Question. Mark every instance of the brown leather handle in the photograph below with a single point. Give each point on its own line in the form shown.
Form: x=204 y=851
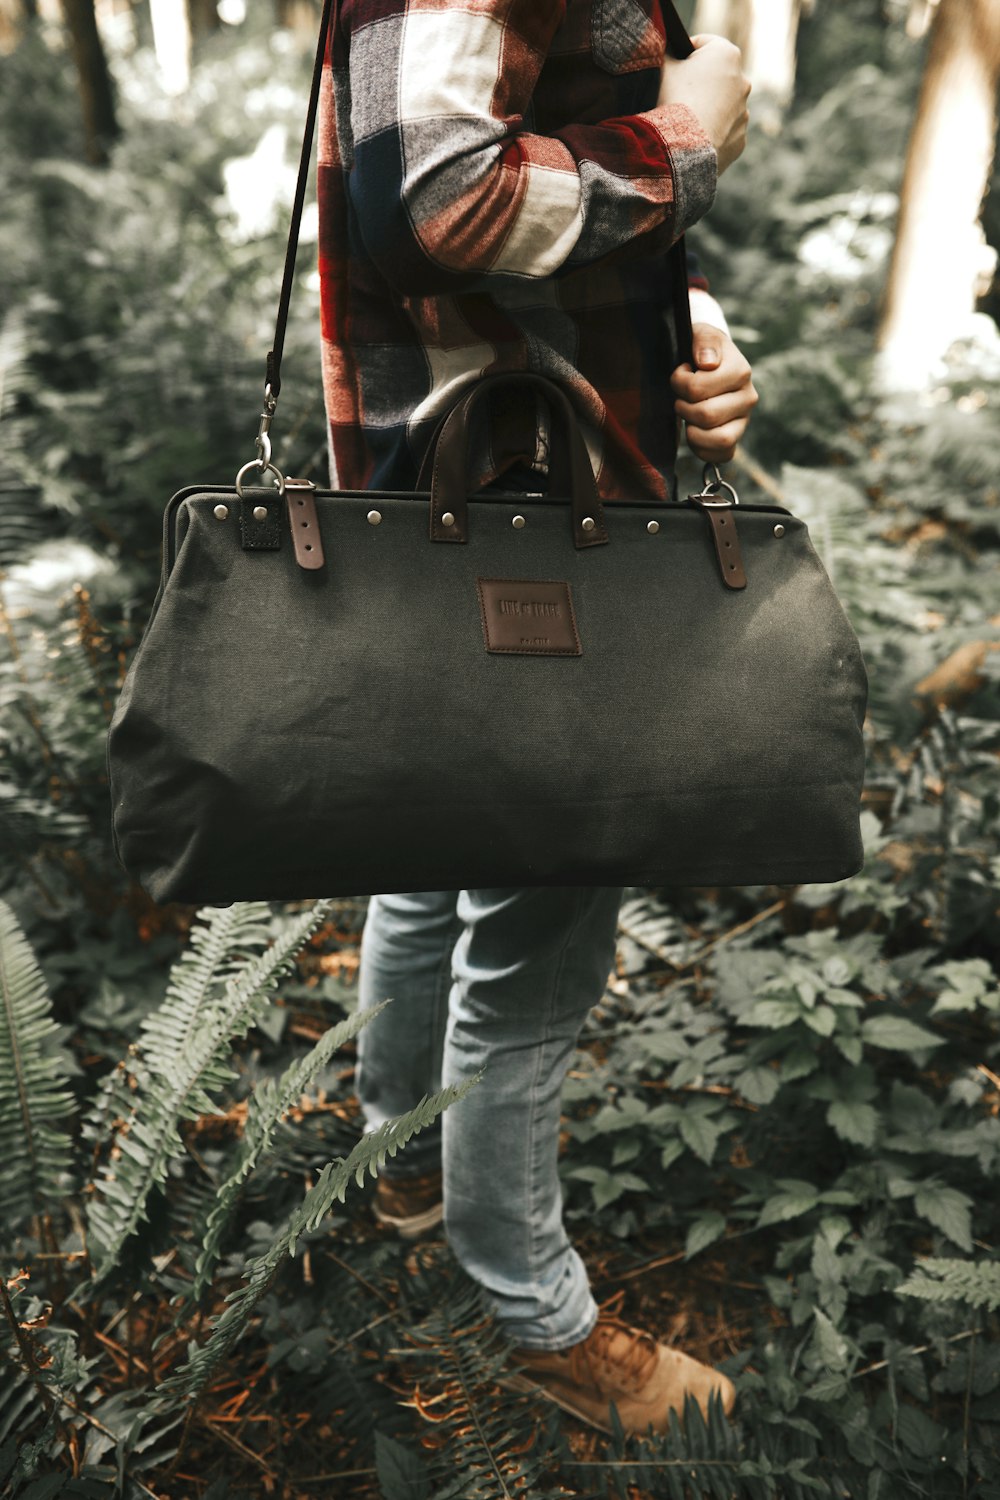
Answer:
x=448 y=462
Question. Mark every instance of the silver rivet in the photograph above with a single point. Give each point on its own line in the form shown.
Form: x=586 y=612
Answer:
x=588 y=523
x=447 y=519
x=260 y=512
x=779 y=530
x=221 y=512
x=652 y=527
x=518 y=521
x=374 y=517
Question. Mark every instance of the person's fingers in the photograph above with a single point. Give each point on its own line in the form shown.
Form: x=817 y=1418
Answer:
x=717 y=444
x=732 y=372
x=717 y=410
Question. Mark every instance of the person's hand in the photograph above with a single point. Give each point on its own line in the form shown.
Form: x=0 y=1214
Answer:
x=712 y=83
x=715 y=399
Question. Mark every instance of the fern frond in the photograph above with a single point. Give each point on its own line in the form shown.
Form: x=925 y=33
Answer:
x=486 y=1443
x=19 y=1399
x=198 y=1069
x=218 y=945
x=368 y=1156
x=19 y=507
x=940 y=1279
x=268 y=1106
x=35 y=1155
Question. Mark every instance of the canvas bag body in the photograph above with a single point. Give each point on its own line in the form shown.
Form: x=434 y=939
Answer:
x=286 y=734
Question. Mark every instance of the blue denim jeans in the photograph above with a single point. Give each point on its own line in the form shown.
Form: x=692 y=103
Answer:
x=500 y=980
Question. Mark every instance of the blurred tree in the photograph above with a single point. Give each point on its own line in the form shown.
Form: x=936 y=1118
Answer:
x=765 y=31
x=941 y=262
x=172 y=43
x=13 y=15
x=298 y=15
x=203 y=18
x=100 y=123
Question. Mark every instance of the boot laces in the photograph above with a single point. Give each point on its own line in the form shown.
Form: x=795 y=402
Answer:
x=629 y=1351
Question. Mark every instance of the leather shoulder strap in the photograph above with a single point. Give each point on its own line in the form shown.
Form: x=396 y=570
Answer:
x=273 y=378
x=680 y=45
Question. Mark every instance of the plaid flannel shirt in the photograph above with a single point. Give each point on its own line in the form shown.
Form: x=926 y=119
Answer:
x=497 y=191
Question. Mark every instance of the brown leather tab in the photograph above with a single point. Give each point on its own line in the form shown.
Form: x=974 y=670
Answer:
x=727 y=544
x=528 y=617
x=304 y=523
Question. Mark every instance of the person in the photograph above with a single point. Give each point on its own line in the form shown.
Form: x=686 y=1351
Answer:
x=499 y=183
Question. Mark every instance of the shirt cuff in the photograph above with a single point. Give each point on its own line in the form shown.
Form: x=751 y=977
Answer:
x=693 y=162
x=705 y=309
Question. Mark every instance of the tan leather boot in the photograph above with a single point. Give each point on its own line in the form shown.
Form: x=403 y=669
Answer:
x=615 y=1362
x=412 y=1206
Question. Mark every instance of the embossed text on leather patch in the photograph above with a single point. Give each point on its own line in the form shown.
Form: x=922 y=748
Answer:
x=528 y=617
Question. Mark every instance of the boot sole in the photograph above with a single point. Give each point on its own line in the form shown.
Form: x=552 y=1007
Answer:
x=413 y=1225
x=521 y=1383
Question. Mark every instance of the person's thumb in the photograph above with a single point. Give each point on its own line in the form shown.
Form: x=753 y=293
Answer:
x=706 y=350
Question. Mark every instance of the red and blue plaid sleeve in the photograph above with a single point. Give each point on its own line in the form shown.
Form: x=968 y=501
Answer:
x=449 y=182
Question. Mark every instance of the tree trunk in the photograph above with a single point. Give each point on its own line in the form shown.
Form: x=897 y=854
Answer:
x=203 y=18
x=100 y=124
x=766 y=33
x=940 y=257
x=298 y=15
x=172 y=43
x=729 y=18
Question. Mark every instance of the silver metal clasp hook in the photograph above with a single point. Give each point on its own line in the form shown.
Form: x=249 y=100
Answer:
x=262 y=445
x=712 y=485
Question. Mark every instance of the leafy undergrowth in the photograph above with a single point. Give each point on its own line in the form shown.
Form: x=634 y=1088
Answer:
x=781 y=1149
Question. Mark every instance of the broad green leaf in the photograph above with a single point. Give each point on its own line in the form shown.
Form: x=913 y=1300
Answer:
x=787 y=1206
x=401 y=1471
x=948 y=1210
x=917 y=1432
x=626 y=1149
x=849 y=1047
x=671 y=1151
x=836 y=971
x=966 y=985
x=798 y=1062
x=757 y=1084
x=830 y=1344
x=774 y=1013
x=704 y=1232
x=854 y=1122
x=897 y=1034
x=822 y=1020
x=701 y=1134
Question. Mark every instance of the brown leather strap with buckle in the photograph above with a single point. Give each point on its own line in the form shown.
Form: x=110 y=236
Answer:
x=722 y=519
x=303 y=523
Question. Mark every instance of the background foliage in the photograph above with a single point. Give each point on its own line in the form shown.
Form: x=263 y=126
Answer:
x=782 y=1135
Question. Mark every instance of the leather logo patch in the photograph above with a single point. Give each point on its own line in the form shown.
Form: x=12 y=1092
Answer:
x=528 y=617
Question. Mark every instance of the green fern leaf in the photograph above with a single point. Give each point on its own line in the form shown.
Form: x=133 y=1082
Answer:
x=939 y=1279
x=485 y=1442
x=269 y=1104
x=217 y=945
x=35 y=1155
x=186 y=1082
x=217 y=948
x=367 y=1157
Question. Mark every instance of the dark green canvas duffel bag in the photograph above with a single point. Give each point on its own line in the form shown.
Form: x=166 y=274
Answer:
x=656 y=693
